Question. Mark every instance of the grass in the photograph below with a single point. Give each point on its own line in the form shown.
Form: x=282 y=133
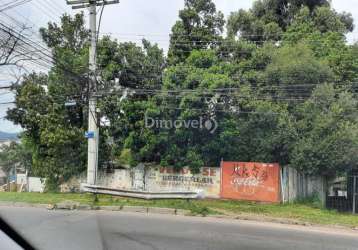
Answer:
x=304 y=212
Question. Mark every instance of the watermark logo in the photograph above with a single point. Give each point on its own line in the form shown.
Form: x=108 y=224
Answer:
x=209 y=124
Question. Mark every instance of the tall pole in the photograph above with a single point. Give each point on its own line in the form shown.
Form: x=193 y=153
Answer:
x=93 y=129
x=92 y=158
x=354 y=193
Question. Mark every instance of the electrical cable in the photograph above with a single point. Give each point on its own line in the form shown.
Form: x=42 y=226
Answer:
x=13 y=4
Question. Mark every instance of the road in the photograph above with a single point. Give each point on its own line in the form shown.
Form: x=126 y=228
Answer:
x=92 y=230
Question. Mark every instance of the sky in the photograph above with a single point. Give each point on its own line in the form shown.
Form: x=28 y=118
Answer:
x=130 y=20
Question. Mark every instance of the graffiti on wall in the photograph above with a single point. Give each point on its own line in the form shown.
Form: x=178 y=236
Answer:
x=167 y=178
x=250 y=181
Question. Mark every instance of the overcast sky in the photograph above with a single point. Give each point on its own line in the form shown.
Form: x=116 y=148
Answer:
x=131 y=20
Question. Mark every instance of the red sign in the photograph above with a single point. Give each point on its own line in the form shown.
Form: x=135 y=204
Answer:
x=250 y=181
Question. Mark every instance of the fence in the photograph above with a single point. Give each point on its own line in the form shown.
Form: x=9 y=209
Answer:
x=24 y=183
x=343 y=196
x=297 y=186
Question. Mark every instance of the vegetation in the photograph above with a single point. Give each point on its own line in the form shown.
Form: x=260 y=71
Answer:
x=281 y=86
x=304 y=212
x=15 y=155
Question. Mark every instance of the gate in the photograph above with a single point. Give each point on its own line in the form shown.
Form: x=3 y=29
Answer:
x=348 y=202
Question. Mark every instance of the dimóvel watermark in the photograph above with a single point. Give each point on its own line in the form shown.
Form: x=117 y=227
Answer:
x=209 y=124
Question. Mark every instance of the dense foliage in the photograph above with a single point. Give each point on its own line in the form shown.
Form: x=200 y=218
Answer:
x=15 y=155
x=280 y=86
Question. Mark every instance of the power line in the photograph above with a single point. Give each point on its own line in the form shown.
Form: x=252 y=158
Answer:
x=38 y=48
x=22 y=25
x=53 y=6
x=7 y=103
x=191 y=35
x=188 y=41
x=21 y=37
x=5 y=87
x=47 y=11
x=13 y=4
x=5 y=93
x=54 y=2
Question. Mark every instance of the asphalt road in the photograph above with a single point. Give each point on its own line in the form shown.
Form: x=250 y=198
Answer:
x=93 y=230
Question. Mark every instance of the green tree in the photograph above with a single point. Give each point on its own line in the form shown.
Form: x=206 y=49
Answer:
x=294 y=72
x=15 y=155
x=200 y=27
x=268 y=19
x=53 y=131
x=262 y=131
x=288 y=50
x=127 y=71
x=56 y=145
x=328 y=133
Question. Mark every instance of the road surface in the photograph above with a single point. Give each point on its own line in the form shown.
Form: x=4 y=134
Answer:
x=92 y=230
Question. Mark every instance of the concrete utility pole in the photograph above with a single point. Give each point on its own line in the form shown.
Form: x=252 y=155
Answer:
x=93 y=129
x=354 y=193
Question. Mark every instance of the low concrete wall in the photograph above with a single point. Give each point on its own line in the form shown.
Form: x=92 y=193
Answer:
x=120 y=178
x=293 y=185
x=154 y=179
x=73 y=184
x=166 y=179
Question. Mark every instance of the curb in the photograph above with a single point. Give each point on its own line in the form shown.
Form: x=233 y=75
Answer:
x=135 y=209
x=23 y=204
x=71 y=206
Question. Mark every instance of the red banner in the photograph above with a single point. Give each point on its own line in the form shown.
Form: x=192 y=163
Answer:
x=250 y=181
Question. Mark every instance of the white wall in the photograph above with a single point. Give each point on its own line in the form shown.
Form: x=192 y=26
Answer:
x=36 y=184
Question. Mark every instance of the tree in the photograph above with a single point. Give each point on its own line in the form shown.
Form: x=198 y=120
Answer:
x=294 y=72
x=69 y=45
x=56 y=130
x=266 y=132
x=135 y=69
x=268 y=19
x=328 y=133
x=56 y=146
x=55 y=133
x=329 y=47
x=251 y=87
x=270 y=78
x=15 y=155
x=261 y=132
x=200 y=27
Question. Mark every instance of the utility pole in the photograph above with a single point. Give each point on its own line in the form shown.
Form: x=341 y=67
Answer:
x=93 y=129
x=354 y=193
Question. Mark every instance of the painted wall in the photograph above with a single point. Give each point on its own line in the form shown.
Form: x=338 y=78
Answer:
x=250 y=181
x=235 y=180
x=166 y=179
x=155 y=179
